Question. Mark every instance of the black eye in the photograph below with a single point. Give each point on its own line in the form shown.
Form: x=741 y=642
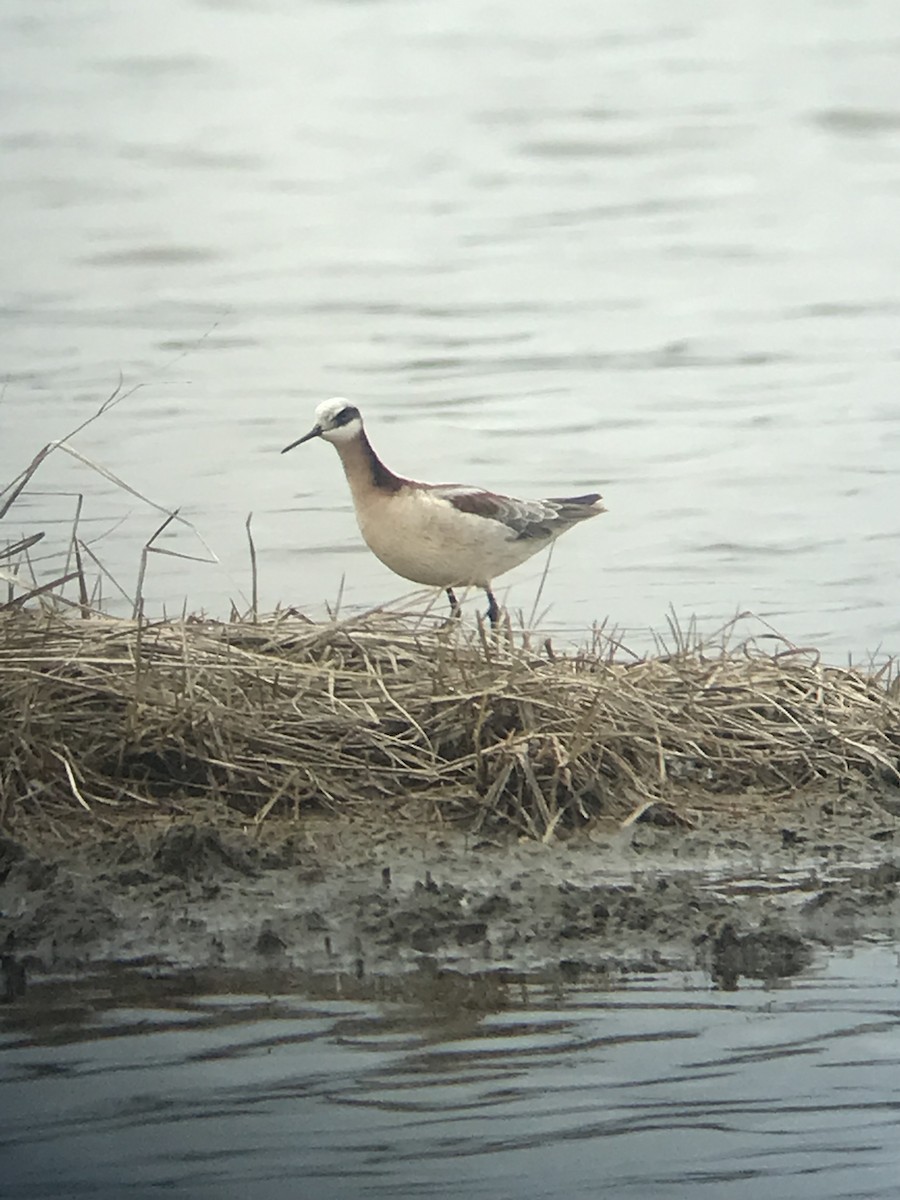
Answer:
x=346 y=415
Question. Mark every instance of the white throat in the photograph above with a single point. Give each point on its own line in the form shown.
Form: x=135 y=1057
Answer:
x=341 y=434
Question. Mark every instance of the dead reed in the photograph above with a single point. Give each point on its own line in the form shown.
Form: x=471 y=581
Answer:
x=117 y=717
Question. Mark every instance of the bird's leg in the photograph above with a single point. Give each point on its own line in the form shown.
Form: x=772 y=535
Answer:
x=493 y=611
x=455 y=610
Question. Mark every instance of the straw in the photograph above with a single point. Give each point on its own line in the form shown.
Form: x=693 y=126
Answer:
x=393 y=710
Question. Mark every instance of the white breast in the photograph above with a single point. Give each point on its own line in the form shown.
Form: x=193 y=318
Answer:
x=427 y=540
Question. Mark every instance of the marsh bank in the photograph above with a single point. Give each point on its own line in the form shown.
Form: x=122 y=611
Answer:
x=385 y=795
x=737 y=896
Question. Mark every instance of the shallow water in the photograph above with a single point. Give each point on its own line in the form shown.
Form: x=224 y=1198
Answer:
x=623 y=247
x=662 y=1088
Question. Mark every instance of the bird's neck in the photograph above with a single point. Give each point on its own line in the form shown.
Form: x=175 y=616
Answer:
x=365 y=471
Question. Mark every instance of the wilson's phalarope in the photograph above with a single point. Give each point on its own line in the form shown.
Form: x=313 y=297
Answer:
x=440 y=534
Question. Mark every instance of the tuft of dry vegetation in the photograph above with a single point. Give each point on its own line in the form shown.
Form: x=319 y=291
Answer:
x=397 y=710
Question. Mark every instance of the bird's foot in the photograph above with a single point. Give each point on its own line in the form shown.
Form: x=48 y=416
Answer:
x=493 y=611
x=455 y=606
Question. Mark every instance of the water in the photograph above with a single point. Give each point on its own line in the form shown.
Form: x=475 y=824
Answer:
x=626 y=247
x=122 y=1087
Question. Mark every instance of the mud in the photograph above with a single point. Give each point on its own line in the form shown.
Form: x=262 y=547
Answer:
x=746 y=892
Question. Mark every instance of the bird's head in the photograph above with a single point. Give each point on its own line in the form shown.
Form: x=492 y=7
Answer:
x=337 y=420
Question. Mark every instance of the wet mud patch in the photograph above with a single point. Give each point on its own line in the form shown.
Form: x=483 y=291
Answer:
x=188 y=851
x=754 y=895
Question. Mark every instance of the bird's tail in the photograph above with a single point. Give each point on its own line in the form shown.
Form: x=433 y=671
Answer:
x=578 y=508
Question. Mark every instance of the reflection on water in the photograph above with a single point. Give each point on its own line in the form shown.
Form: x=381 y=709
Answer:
x=661 y=1089
x=609 y=247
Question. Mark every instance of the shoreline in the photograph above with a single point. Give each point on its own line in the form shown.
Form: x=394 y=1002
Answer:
x=735 y=896
x=378 y=795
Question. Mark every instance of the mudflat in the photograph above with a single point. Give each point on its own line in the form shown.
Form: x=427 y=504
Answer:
x=749 y=893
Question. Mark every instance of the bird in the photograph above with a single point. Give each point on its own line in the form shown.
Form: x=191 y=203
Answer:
x=445 y=535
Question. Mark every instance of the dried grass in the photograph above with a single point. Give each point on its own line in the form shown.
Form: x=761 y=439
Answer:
x=389 y=708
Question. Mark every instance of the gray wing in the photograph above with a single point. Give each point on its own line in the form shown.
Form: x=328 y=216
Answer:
x=524 y=518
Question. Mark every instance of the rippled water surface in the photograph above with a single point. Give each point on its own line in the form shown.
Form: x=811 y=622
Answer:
x=123 y=1087
x=648 y=248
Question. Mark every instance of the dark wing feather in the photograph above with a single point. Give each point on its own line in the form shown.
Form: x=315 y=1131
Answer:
x=524 y=518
